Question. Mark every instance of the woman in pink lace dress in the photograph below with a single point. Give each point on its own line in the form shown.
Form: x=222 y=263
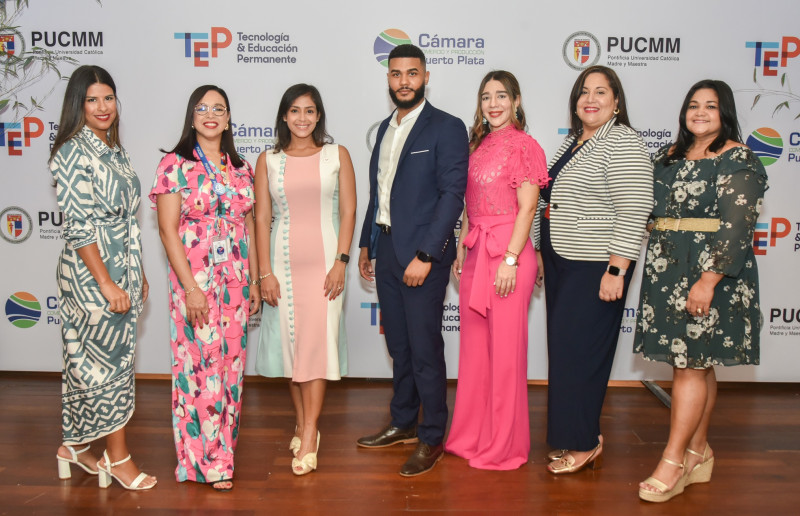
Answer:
x=496 y=267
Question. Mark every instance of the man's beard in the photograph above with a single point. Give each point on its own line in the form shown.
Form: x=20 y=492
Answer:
x=419 y=94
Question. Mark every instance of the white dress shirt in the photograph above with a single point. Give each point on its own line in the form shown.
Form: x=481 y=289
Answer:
x=391 y=146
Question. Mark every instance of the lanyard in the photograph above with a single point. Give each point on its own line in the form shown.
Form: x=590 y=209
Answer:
x=218 y=185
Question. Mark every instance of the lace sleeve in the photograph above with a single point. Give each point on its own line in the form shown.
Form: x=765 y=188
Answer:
x=527 y=163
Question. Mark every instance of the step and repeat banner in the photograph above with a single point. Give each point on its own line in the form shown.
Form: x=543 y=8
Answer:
x=158 y=52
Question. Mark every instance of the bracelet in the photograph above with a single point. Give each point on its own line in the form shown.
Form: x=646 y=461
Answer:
x=265 y=276
x=255 y=282
x=511 y=252
x=187 y=292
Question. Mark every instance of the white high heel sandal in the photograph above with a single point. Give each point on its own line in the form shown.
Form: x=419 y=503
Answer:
x=63 y=463
x=106 y=475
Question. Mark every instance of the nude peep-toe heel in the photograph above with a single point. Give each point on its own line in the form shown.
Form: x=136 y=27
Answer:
x=307 y=464
x=295 y=443
x=567 y=464
x=63 y=463
x=106 y=475
x=663 y=494
x=701 y=472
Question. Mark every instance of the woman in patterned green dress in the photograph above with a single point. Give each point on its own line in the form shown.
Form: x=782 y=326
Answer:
x=101 y=283
x=699 y=304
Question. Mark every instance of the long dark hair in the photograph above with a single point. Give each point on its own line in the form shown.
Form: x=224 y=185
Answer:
x=320 y=134
x=188 y=139
x=480 y=130
x=72 y=116
x=576 y=126
x=727 y=116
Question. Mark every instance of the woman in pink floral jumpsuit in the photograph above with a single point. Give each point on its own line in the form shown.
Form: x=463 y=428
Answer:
x=203 y=192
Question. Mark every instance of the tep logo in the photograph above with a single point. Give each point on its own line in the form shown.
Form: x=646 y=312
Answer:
x=385 y=43
x=23 y=309
x=16 y=135
x=16 y=225
x=581 y=50
x=199 y=47
x=767 y=144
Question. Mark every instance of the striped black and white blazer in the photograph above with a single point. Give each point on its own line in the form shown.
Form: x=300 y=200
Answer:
x=602 y=197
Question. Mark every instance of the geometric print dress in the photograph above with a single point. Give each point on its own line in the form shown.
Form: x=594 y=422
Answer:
x=729 y=187
x=99 y=194
x=208 y=363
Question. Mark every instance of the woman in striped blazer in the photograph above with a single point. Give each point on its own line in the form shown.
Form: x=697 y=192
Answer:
x=590 y=227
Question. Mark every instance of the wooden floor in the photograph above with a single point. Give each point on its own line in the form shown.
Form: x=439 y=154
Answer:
x=755 y=434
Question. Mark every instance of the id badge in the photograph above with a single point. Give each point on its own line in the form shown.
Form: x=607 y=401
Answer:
x=220 y=248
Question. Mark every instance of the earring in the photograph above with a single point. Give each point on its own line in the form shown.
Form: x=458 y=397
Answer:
x=192 y=126
x=616 y=111
x=518 y=114
x=227 y=126
x=485 y=122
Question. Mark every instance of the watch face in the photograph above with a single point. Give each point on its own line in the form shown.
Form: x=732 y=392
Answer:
x=510 y=260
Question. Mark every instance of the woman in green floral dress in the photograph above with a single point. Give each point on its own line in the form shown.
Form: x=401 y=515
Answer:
x=699 y=304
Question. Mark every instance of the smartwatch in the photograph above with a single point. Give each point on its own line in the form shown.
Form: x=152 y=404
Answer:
x=342 y=257
x=424 y=257
x=616 y=271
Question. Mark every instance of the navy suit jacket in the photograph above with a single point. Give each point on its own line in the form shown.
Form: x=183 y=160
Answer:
x=428 y=190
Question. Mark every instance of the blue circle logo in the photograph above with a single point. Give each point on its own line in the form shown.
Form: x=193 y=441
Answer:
x=385 y=43
x=767 y=144
x=23 y=309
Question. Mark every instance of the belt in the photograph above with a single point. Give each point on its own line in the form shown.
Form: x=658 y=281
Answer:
x=670 y=224
x=484 y=228
x=387 y=230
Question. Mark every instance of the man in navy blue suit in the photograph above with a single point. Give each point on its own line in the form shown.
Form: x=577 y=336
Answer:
x=417 y=178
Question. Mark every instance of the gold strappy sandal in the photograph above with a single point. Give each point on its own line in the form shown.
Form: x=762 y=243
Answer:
x=702 y=471
x=663 y=494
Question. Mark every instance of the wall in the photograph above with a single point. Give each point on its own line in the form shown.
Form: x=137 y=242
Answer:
x=158 y=52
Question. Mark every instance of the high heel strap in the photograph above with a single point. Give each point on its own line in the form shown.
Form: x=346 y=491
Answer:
x=673 y=463
x=64 y=472
x=701 y=472
x=705 y=456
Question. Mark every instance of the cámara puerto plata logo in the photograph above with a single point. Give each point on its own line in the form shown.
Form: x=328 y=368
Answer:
x=767 y=144
x=23 y=309
x=385 y=43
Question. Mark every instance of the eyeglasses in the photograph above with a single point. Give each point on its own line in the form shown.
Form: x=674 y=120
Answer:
x=217 y=110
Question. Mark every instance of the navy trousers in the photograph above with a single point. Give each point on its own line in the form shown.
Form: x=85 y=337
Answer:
x=412 y=325
x=582 y=333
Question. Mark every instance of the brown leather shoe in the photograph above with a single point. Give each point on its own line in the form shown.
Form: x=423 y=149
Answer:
x=423 y=459
x=389 y=436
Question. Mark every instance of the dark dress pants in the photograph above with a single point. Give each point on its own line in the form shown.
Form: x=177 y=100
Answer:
x=412 y=325
x=582 y=333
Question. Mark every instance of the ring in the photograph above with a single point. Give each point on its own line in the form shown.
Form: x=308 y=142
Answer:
x=699 y=310
x=205 y=311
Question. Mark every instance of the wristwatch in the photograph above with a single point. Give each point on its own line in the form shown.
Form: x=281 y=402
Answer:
x=344 y=258
x=511 y=260
x=424 y=257
x=616 y=271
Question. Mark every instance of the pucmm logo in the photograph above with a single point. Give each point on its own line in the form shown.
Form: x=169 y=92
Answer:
x=17 y=226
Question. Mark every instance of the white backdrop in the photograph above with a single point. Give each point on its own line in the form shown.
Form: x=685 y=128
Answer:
x=158 y=52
